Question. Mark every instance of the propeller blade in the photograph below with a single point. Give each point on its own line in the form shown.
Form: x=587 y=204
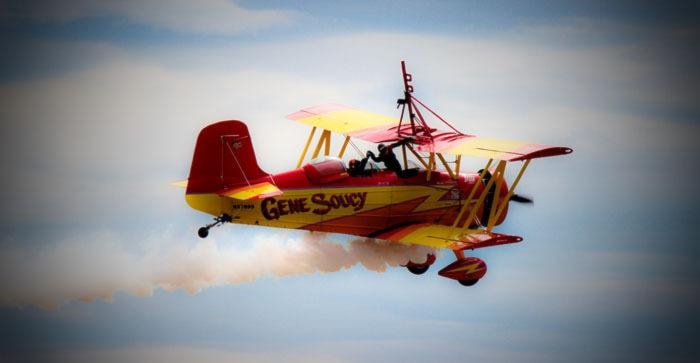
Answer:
x=521 y=199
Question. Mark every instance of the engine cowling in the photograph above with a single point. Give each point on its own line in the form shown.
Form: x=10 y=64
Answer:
x=467 y=270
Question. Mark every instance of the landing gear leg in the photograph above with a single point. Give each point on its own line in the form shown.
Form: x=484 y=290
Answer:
x=204 y=231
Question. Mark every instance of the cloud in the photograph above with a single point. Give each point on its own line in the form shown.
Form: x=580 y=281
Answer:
x=181 y=354
x=118 y=133
x=603 y=283
x=209 y=17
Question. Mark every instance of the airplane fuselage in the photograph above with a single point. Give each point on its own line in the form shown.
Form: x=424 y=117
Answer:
x=361 y=205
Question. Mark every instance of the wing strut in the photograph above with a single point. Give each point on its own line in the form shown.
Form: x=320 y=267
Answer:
x=323 y=143
x=306 y=147
x=468 y=201
x=505 y=201
x=500 y=202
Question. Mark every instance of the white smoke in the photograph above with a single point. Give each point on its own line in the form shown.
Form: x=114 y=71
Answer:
x=97 y=269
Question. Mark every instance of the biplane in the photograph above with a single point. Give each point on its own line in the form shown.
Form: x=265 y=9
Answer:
x=437 y=205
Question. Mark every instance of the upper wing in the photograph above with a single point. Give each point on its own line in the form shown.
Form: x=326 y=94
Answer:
x=378 y=128
x=490 y=148
x=341 y=119
x=441 y=236
x=252 y=192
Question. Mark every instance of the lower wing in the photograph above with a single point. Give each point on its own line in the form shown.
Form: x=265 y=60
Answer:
x=441 y=236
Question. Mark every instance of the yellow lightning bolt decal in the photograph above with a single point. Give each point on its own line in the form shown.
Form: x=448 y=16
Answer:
x=471 y=268
x=433 y=194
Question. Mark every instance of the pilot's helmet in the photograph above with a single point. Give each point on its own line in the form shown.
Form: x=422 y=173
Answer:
x=352 y=163
x=381 y=147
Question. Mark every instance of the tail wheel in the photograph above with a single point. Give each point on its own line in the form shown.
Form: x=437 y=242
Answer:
x=204 y=231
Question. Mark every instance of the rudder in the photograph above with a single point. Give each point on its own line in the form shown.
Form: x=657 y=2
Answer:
x=223 y=158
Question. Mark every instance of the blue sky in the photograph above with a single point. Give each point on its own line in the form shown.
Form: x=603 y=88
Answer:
x=100 y=104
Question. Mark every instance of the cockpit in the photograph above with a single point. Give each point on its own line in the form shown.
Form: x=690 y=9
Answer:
x=325 y=169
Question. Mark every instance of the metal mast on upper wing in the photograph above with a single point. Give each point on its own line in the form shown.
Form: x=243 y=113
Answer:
x=419 y=127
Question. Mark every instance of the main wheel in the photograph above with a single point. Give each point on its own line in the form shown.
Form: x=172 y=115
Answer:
x=468 y=282
x=203 y=232
x=418 y=270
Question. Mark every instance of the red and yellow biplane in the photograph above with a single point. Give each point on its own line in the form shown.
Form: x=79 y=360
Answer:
x=440 y=208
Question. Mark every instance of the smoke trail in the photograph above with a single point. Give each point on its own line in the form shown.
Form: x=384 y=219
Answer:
x=79 y=270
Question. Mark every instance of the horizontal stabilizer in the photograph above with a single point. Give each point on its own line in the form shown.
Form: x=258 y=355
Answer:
x=181 y=184
x=252 y=192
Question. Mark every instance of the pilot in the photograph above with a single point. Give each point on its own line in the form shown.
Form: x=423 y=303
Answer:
x=387 y=156
x=357 y=167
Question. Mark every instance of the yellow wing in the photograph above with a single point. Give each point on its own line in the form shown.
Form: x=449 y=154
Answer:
x=441 y=236
x=341 y=119
x=374 y=127
x=490 y=148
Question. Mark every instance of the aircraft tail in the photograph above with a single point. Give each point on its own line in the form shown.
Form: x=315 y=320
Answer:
x=223 y=158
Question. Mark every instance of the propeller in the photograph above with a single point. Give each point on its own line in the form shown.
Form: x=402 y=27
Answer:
x=521 y=199
x=488 y=202
x=518 y=198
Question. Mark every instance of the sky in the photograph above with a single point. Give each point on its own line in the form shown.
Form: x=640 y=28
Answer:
x=101 y=102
